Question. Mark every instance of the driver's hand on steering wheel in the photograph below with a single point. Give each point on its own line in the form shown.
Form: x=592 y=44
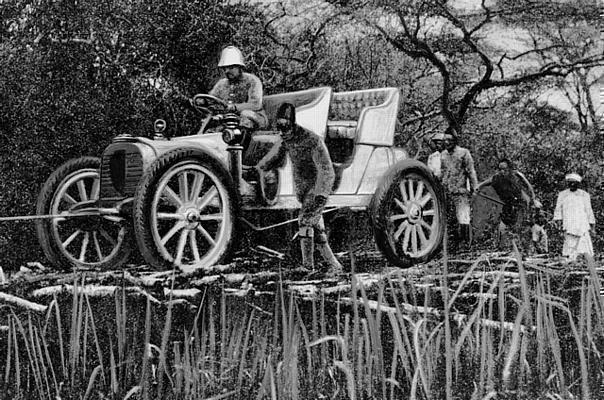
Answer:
x=231 y=107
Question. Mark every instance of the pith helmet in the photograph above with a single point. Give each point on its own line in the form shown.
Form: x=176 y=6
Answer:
x=231 y=55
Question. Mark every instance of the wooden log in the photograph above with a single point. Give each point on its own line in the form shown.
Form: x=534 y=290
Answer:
x=91 y=291
x=186 y=294
x=333 y=290
x=477 y=275
x=206 y=280
x=151 y=279
x=269 y=252
x=180 y=302
x=468 y=262
x=458 y=318
x=18 y=302
x=308 y=291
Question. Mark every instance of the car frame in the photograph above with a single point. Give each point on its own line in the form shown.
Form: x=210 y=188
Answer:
x=185 y=198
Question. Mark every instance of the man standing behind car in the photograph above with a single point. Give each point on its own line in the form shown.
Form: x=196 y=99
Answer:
x=460 y=181
x=575 y=216
x=434 y=159
x=242 y=90
x=313 y=179
x=507 y=183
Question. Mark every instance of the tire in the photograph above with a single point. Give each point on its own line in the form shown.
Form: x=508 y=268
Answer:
x=406 y=238
x=84 y=242
x=175 y=227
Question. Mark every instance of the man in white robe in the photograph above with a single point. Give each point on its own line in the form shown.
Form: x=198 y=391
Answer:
x=573 y=211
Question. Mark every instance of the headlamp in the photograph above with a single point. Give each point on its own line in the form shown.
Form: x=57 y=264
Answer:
x=159 y=126
x=231 y=136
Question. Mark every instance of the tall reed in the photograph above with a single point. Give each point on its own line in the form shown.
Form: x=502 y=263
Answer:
x=493 y=331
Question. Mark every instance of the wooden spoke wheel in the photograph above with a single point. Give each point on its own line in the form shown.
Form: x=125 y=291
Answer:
x=185 y=211
x=408 y=214
x=75 y=238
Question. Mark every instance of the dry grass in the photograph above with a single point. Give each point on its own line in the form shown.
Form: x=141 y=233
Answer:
x=521 y=340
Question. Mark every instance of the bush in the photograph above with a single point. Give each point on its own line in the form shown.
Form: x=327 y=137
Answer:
x=75 y=74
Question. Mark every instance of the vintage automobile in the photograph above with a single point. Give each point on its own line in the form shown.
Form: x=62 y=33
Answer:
x=184 y=200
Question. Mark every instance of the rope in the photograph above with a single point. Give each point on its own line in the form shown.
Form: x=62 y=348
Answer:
x=50 y=216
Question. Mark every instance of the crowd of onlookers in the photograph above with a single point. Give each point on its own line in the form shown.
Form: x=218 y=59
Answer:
x=573 y=215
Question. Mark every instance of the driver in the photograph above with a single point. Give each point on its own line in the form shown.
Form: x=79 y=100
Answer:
x=242 y=90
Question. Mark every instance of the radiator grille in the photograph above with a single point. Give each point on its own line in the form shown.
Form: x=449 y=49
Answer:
x=121 y=170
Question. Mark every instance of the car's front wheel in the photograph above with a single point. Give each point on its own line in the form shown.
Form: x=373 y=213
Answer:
x=78 y=236
x=408 y=214
x=185 y=212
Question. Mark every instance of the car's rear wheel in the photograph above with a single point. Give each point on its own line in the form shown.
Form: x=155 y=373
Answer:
x=185 y=212
x=74 y=238
x=408 y=214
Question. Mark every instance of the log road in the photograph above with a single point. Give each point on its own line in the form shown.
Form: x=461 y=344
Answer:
x=262 y=274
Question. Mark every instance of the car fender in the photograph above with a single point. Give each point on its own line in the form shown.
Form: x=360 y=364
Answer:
x=211 y=143
x=410 y=163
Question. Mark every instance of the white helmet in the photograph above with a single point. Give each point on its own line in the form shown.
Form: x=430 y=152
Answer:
x=231 y=55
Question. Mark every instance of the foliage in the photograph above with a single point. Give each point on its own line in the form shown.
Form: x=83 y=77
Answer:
x=516 y=55
x=543 y=142
x=73 y=74
x=485 y=46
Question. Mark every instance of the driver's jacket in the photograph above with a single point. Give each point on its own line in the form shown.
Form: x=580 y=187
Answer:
x=246 y=93
x=312 y=168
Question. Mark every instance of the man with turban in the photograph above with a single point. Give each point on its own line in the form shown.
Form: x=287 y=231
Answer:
x=574 y=214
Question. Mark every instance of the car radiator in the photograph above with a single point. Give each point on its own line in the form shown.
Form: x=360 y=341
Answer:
x=121 y=170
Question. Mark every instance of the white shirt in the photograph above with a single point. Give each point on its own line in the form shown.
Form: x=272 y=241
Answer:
x=574 y=209
x=434 y=163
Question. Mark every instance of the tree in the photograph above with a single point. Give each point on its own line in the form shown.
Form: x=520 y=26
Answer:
x=74 y=74
x=493 y=46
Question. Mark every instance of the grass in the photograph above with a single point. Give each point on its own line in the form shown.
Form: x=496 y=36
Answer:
x=523 y=341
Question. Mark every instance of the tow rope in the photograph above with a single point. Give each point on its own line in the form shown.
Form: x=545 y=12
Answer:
x=50 y=216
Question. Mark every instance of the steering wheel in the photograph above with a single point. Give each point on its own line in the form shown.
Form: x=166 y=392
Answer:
x=209 y=104
x=211 y=107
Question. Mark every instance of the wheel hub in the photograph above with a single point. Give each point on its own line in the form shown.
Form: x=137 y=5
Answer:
x=414 y=211
x=192 y=218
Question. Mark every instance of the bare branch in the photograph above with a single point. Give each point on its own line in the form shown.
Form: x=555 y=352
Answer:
x=539 y=51
x=419 y=118
x=486 y=76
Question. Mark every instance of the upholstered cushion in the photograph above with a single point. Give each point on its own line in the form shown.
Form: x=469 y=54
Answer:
x=348 y=106
x=341 y=129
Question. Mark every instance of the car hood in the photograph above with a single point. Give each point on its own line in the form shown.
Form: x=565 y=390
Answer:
x=211 y=143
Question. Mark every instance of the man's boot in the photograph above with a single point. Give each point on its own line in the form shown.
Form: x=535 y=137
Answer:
x=466 y=236
x=502 y=237
x=335 y=268
x=307 y=246
x=453 y=240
